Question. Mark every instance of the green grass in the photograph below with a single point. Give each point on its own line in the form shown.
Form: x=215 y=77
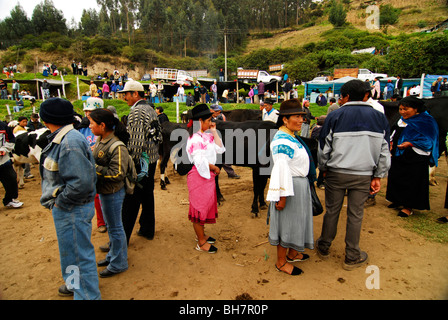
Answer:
x=123 y=109
x=424 y=224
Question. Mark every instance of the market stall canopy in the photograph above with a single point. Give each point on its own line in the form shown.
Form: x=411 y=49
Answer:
x=56 y=83
x=334 y=85
x=427 y=82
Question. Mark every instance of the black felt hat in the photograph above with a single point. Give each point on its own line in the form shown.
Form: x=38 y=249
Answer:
x=201 y=111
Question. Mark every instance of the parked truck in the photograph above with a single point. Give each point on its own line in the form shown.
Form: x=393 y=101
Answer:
x=256 y=76
x=172 y=75
x=362 y=74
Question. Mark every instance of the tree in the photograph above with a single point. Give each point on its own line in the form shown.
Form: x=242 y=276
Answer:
x=337 y=14
x=302 y=68
x=90 y=22
x=16 y=26
x=46 y=18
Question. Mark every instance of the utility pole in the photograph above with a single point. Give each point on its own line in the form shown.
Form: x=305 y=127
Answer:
x=225 y=55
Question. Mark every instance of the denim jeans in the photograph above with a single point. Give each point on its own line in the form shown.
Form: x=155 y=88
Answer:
x=77 y=254
x=111 y=205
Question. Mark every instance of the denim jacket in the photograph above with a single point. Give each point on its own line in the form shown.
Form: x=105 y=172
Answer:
x=67 y=168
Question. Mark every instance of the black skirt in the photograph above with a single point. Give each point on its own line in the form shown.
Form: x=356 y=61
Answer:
x=408 y=180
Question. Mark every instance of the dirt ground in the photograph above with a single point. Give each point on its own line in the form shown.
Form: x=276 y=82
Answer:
x=405 y=265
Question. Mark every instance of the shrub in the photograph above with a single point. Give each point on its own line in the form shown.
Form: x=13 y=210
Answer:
x=389 y=15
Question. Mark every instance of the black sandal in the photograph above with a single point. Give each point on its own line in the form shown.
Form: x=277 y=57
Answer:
x=404 y=214
x=212 y=249
x=295 y=271
x=295 y=259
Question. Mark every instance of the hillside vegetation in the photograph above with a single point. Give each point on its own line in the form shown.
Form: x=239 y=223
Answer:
x=298 y=34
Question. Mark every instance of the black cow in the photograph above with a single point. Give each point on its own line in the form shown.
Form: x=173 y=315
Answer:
x=247 y=144
x=237 y=115
x=27 y=149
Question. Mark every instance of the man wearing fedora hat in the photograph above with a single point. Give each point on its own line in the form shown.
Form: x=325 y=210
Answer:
x=354 y=155
x=145 y=135
x=67 y=168
x=269 y=113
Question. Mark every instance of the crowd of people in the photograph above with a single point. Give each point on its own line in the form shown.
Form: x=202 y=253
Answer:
x=118 y=162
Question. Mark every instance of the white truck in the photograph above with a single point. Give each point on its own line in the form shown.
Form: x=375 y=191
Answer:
x=362 y=74
x=256 y=75
x=366 y=74
x=172 y=75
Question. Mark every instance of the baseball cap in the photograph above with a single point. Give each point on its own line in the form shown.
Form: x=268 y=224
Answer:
x=132 y=86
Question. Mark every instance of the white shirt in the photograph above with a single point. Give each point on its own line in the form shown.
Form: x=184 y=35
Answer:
x=271 y=116
x=290 y=160
x=376 y=105
x=202 y=151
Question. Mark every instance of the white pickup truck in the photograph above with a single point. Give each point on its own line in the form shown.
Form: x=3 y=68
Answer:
x=172 y=75
x=256 y=75
x=366 y=74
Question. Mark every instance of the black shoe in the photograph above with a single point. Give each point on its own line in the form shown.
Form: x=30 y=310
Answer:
x=63 y=291
x=295 y=271
x=162 y=185
x=323 y=254
x=141 y=234
x=350 y=265
x=234 y=177
x=167 y=181
x=103 y=263
x=404 y=214
x=106 y=273
x=442 y=220
x=295 y=259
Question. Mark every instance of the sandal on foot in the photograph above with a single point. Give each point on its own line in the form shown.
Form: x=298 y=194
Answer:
x=296 y=259
x=212 y=249
x=295 y=271
x=404 y=214
x=209 y=240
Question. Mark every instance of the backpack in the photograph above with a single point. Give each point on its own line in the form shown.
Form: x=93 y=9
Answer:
x=131 y=173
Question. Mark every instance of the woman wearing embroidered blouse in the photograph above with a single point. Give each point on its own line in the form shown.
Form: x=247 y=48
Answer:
x=291 y=217
x=202 y=148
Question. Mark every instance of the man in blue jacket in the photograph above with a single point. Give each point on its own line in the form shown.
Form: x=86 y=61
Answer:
x=354 y=155
x=68 y=173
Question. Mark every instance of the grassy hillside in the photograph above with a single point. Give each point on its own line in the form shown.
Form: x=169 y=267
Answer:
x=414 y=17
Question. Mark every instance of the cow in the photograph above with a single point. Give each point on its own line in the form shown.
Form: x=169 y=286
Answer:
x=438 y=108
x=247 y=144
x=28 y=149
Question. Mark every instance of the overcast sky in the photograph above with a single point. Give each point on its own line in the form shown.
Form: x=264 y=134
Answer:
x=70 y=8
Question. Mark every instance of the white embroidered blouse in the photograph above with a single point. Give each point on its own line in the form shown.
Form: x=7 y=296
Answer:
x=202 y=151
x=290 y=160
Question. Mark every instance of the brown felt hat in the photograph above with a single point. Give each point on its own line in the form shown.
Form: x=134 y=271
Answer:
x=291 y=107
